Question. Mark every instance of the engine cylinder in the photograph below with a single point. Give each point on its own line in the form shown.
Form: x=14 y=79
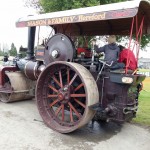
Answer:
x=31 y=70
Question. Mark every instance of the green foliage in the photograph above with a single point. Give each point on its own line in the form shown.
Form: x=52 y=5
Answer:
x=22 y=53
x=110 y=1
x=144 y=42
x=57 y=5
x=13 y=50
x=143 y=115
x=1 y=53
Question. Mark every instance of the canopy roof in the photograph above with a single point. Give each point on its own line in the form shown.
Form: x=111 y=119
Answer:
x=113 y=18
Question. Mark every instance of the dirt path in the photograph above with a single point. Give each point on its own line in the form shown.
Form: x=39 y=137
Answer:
x=21 y=128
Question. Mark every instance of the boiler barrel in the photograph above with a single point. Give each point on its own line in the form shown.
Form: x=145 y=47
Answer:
x=31 y=69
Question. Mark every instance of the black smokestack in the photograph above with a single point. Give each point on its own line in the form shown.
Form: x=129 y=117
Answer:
x=31 y=39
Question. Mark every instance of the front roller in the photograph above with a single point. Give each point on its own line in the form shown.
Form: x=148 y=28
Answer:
x=17 y=88
x=64 y=93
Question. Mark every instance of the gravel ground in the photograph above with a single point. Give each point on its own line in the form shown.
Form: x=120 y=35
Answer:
x=21 y=128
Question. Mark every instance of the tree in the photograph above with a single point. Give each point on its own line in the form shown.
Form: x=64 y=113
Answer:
x=110 y=1
x=22 y=52
x=1 y=53
x=59 y=5
x=145 y=41
x=13 y=50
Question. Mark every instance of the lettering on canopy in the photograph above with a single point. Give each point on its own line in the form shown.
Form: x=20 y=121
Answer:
x=115 y=14
x=67 y=19
x=37 y=23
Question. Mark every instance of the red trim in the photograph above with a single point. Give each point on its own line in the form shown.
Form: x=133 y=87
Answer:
x=2 y=73
x=131 y=33
x=141 y=30
x=138 y=39
x=127 y=64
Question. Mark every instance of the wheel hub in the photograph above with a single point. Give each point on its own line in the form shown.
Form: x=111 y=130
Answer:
x=61 y=96
x=55 y=53
x=64 y=94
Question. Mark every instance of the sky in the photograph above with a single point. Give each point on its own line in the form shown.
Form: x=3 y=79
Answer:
x=10 y=12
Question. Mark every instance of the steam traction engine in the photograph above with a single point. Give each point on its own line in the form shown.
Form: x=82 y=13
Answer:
x=70 y=89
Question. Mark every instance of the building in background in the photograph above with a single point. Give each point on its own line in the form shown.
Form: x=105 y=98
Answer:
x=144 y=63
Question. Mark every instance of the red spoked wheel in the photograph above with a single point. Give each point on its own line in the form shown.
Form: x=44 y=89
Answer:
x=64 y=93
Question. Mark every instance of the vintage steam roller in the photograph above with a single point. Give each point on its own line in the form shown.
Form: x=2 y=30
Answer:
x=73 y=84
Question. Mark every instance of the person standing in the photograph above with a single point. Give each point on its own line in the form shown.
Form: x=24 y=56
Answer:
x=111 y=50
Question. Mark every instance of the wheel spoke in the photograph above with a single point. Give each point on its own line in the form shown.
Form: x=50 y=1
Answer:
x=60 y=78
x=71 y=117
x=58 y=110
x=78 y=95
x=73 y=79
x=53 y=88
x=78 y=87
x=54 y=102
x=63 y=112
x=68 y=76
x=80 y=103
x=76 y=112
x=54 y=78
x=51 y=96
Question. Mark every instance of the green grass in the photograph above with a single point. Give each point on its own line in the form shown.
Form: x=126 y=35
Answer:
x=143 y=70
x=143 y=114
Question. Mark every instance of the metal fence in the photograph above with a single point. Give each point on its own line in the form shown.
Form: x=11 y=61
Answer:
x=145 y=73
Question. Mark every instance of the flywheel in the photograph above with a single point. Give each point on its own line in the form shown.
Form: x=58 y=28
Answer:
x=59 y=48
x=64 y=92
